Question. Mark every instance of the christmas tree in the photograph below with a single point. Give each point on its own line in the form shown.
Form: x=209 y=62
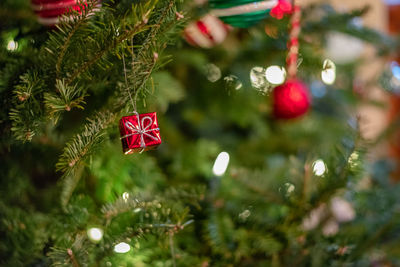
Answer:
x=258 y=165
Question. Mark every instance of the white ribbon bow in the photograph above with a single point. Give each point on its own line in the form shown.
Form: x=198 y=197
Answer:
x=141 y=129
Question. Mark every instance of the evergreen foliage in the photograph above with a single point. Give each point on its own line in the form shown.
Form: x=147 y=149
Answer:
x=63 y=91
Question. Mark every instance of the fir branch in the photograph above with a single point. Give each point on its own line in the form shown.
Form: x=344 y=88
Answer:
x=87 y=10
x=80 y=148
x=70 y=254
x=68 y=97
x=26 y=116
x=71 y=179
x=128 y=34
x=146 y=60
x=121 y=205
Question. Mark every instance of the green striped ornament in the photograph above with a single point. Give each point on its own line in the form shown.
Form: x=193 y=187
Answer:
x=241 y=13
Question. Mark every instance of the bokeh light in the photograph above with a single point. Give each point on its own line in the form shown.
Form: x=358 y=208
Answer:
x=275 y=75
x=221 y=164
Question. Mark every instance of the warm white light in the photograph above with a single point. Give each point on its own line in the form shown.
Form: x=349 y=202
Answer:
x=95 y=234
x=328 y=73
x=125 y=196
x=221 y=164
x=12 y=45
x=319 y=167
x=122 y=247
x=275 y=74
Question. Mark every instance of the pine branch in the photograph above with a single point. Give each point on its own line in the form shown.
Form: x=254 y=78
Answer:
x=26 y=116
x=86 y=12
x=147 y=56
x=68 y=97
x=121 y=205
x=138 y=27
x=80 y=148
x=70 y=254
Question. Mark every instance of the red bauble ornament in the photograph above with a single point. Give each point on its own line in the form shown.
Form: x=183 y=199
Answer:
x=291 y=100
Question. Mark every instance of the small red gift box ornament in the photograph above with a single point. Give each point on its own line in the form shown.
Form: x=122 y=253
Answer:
x=139 y=132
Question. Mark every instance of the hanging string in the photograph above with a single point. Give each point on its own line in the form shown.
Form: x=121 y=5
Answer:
x=293 y=45
x=127 y=86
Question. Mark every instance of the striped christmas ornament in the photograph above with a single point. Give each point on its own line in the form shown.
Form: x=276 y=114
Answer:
x=246 y=13
x=206 y=32
x=49 y=11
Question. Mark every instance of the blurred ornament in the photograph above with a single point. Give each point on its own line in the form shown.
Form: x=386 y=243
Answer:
x=281 y=9
x=314 y=218
x=342 y=210
x=339 y=211
x=330 y=228
x=207 y=32
x=242 y=13
x=50 y=11
x=343 y=48
x=139 y=132
x=291 y=100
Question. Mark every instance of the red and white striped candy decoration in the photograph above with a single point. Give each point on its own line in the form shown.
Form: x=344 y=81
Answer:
x=49 y=11
x=206 y=32
x=293 y=44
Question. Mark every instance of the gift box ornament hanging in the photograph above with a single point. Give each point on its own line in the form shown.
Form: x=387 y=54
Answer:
x=246 y=13
x=139 y=132
x=207 y=32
